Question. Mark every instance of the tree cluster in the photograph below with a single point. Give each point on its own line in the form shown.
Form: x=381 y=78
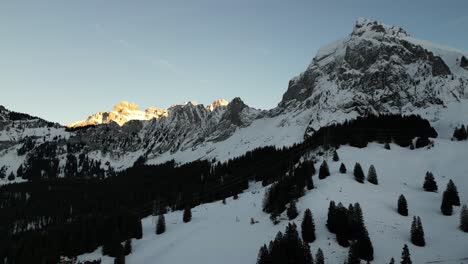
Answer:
x=287 y=248
x=417 y=232
x=460 y=133
x=348 y=225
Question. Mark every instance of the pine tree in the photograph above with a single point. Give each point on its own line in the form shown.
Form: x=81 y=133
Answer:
x=342 y=168
x=353 y=257
x=161 y=225
x=392 y=261
x=308 y=227
x=402 y=206
x=387 y=146
x=309 y=183
x=453 y=193
x=324 y=171
x=417 y=232
x=464 y=219
x=335 y=156
x=372 y=175
x=308 y=259
x=430 y=184
x=446 y=207
x=319 y=258
x=264 y=256
x=11 y=176
x=364 y=245
x=331 y=225
x=128 y=247
x=358 y=173
x=187 y=215
x=405 y=255
x=120 y=259
x=292 y=211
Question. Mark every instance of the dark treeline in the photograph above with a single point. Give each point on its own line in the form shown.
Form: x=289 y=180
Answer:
x=43 y=219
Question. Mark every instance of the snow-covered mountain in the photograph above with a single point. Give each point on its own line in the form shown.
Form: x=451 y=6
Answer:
x=376 y=69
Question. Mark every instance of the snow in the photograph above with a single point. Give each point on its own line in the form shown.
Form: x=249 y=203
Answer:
x=214 y=235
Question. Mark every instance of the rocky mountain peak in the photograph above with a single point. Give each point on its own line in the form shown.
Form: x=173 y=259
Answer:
x=217 y=103
x=367 y=27
x=125 y=106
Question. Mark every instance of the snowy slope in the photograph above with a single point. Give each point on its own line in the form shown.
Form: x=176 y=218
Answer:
x=214 y=235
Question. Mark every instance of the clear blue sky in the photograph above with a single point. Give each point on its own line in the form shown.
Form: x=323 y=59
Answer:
x=63 y=60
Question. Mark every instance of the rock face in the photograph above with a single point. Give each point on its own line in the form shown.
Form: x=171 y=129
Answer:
x=376 y=69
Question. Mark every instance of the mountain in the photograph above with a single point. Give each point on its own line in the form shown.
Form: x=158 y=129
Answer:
x=377 y=69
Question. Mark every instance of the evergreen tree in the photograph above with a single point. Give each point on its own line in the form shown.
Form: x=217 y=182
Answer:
x=358 y=173
x=187 y=215
x=446 y=207
x=460 y=133
x=331 y=222
x=161 y=225
x=402 y=206
x=324 y=171
x=309 y=182
x=392 y=261
x=353 y=256
x=464 y=219
x=417 y=232
x=453 y=193
x=128 y=247
x=308 y=259
x=430 y=184
x=319 y=258
x=308 y=227
x=364 y=245
x=335 y=156
x=11 y=176
x=292 y=211
x=405 y=255
x=342 y=168
x=264 y=256
x=120 y=259
x=372 y=175
x=387 y=145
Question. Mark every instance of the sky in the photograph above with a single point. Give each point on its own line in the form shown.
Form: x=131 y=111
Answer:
x=64 y=60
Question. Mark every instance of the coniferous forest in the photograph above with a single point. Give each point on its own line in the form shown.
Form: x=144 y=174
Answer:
x=43 y=219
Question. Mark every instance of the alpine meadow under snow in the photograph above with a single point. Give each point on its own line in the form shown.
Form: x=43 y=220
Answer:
x=199 y=176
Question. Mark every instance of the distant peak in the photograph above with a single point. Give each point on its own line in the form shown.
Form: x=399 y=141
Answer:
x=366 y=27
x=217 y=103
x=124 y=105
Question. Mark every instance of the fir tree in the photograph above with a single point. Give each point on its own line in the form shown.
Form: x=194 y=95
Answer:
x=342 y=168
x=353 y=257
x=308 y=259
x=358 y=173
x=453 y=193
x=392 y=261
x=11 y=176
x=372 y=175
x=331 y=217
x=446 y=206
x=464 y=219
x=308 y=227
x=335 y=156
x=120 y=259
x=319 y=258
x=387 y=146
x=417 y=232
x=309 y=183
x=324 y=171
x=292 y=211
x=161 y=225
x=364 y=245
x=187 y=215
x=264 y=256
x=402 y=206
x=405 y=255
x=127 y=247
x=430 y=184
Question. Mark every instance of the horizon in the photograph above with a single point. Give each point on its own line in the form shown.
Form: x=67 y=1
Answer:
x=65 y=62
